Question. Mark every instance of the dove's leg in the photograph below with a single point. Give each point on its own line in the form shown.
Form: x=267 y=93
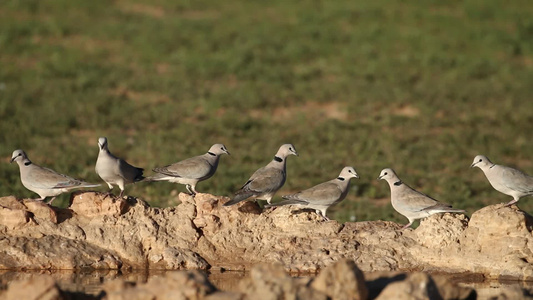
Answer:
x=191 y=190
x=511 y=202
x=268 y=200
x=121 y=186
x=50 y=202
x=407 y=225
x=110 y=189
x=322 y=214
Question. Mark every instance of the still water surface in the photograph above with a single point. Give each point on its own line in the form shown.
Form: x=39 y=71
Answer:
x=91 y=282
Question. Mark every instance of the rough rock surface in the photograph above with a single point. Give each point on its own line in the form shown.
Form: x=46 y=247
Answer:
x=175 y=285
x=100 y=232
x=342 y=280
x=264 y=282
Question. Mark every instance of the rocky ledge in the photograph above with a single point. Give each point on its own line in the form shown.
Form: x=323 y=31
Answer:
x=98 y=231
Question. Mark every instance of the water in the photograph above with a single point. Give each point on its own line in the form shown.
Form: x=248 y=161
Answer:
x=91 y=282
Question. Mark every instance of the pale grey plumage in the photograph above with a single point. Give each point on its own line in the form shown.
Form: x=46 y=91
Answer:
x=320 y=197
x=114 y=170
x=504 y=179
x=411 y=203
x=44 y=181
x=266 y=181
x=192 y=170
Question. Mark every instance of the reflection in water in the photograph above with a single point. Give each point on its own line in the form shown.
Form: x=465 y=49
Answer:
x=496 y=289
x=90 y=282
x=227 y=281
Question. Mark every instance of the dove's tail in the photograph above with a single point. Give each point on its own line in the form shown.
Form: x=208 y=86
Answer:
x=240 y=195
x=89 y=185
x=287 y=202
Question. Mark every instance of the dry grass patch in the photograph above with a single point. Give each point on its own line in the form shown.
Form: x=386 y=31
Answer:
x=142 y=9
x=318 y=112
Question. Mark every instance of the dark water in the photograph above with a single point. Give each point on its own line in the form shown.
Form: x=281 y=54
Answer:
x=91 y=282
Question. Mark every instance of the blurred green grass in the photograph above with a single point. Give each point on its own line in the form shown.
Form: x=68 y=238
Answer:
x=419 y=86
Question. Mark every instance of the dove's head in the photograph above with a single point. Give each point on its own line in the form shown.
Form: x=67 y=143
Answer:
x=481 y=161
x=388 y=174
x=18 y=156
x=218 y=149
x=286 y=150
x=102 y=143
x=348 y=172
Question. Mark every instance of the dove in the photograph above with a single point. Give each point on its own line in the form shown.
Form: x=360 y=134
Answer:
x=266 y=181
x=410 y=203
x=322 y=196
x=192 y=170
x=43 y=181
x=114 y=170
x=504 y=179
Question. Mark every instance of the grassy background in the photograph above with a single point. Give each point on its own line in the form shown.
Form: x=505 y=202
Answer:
x=419 y=86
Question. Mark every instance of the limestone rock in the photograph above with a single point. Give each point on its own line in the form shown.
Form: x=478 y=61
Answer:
x=41 y=211
x=452 y=291
x=420 y=286
x=495 y=243
x=14 y=218
x=97 y=204
x=441 y=230
x=54 y=252
x=272 y=282
x=200 y=233
x=110 y=232
x=343 y=280
x=13 y=214
x=417 y=286
x=174 y=285
x=501 y=238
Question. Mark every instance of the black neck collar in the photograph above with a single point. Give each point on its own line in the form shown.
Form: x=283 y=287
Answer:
x=27 y=163
x=340 y=178
x=278 y=159
x=211 y=153
x=398 y=183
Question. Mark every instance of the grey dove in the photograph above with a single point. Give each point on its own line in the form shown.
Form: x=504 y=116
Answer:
x=320 y=197
x=504 y=179
x=192 y=170
x=114 y=170
x=410 y=203
x=43 y=181
x=265 y=182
